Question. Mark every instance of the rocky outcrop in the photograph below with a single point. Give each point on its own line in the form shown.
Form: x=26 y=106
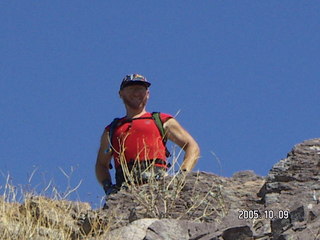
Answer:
x=293 y=185
x=201 y=196
x=283 y=205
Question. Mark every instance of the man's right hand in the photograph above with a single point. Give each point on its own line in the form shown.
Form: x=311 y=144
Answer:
x=109 y=188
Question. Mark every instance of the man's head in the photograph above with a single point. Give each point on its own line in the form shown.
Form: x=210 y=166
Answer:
x=134 y=91
x=134 y=79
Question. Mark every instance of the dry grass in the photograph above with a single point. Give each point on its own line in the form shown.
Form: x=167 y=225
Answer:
x=49 y=214
x=161 y=198
x=44 y=216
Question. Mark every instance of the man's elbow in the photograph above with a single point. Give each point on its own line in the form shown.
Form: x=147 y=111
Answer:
x=194 y=151
x=194 y=147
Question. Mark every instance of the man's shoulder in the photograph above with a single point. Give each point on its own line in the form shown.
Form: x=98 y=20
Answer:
x=165 y=117
x=113 y=122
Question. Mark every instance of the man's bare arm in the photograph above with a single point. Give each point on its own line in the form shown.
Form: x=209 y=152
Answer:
x=177 y=134
x=103 y=160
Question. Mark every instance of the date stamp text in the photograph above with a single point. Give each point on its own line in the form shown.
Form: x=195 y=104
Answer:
x=265 y=214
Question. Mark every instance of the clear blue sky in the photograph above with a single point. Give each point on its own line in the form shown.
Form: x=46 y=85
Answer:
x=243 y=74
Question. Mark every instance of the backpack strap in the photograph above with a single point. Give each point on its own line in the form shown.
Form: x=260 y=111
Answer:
x=156 y=117
x=113 y=126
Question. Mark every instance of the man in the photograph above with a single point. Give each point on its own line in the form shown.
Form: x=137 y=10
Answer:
x=136 y=141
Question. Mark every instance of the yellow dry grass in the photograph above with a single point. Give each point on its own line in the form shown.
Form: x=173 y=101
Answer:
x=39 y=217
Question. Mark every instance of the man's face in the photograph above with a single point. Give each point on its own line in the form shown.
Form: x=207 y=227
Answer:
x=135 y=96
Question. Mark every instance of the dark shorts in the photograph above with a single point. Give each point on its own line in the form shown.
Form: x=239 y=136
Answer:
x=139 y=173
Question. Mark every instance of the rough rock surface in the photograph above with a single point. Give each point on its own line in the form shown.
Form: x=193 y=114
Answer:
x=293 y=184
x=200 y=206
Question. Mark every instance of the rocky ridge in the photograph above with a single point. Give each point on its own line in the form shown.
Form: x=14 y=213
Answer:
x=283 y=205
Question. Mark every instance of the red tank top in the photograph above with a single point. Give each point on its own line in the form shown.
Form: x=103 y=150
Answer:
x=138 y=139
